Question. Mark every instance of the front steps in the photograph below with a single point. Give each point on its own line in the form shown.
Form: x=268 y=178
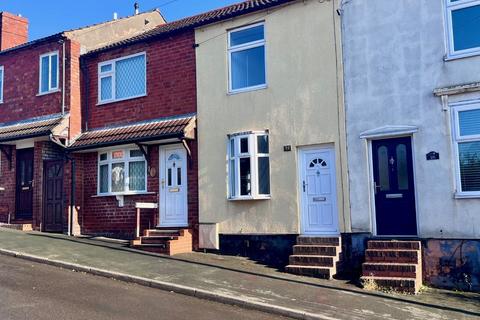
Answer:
x=315 y=257
x=17 y=226
x=393 y=265
x=165 y=241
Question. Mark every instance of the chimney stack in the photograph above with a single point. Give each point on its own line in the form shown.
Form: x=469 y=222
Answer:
x=136 y=6
x=13 y=30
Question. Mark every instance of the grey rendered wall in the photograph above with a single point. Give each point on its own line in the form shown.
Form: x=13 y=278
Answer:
x=394 y=59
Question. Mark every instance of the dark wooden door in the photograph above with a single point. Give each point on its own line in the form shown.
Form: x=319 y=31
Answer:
x=394 y=187
x=53 y=196
x=24 y=185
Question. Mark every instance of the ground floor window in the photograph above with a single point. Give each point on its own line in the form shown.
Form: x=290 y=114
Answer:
x=249 y=165
x=121 y=171
x=467 y=144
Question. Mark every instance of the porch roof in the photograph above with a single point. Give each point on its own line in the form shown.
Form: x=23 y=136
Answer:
x=178 y=128
x=32 y=128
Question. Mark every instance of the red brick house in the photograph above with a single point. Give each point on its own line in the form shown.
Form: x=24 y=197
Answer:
x=40 y=111
x=138 y=142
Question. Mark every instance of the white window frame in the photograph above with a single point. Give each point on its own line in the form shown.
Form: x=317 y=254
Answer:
x=112 y=73
x=457 y=139
x=126 y=161
x=242 y=47
x=450 y=7
x=50 y=87
x=253 y=155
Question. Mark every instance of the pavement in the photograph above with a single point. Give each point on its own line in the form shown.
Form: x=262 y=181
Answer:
x=27 y=292
x=237 y=281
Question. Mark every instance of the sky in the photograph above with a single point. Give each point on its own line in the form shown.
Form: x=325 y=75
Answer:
x=47 y=17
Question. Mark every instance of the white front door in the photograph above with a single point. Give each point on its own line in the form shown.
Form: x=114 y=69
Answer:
x=318 y=191
x=173 y=187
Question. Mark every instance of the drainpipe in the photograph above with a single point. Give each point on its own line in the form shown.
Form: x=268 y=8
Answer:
x=84 y=69
x=72 y=194
x=63 y=76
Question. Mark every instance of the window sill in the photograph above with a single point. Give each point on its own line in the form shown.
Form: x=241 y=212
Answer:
x=463 y=195
x=120 y=100
x=122 y=194
x=249 y=89
x=453 y=57
x=250 y=198
x=47 y=92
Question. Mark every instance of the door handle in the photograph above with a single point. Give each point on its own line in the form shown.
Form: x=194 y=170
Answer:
x=304 y=185
x=163 y=183
x=377 y=187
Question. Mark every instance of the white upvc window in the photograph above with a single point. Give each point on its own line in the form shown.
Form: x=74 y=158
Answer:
x=246 y=58
x=248 y=166
x=2 y=77
x=49 y=72
x=466 y=120
x=123 y=78
x=463 y=27
x=121 y=171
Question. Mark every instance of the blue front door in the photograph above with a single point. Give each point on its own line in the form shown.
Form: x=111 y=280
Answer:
x=394 y=187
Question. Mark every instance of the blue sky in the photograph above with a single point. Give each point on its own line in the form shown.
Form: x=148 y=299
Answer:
x=51 y=16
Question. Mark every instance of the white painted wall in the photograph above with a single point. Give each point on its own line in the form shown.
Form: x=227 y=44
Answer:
x=393 y=60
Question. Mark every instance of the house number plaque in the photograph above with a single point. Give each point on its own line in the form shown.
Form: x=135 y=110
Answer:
x=432 y=155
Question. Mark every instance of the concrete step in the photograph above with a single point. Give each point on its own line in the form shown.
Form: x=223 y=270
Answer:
x=406 y=285
x=156 y=239
x=163 y=233
x=397 y=245
x=311 y=260
x=157 y=248
x=311 y=271
x=393 y=256
x=389 y=270
x=17 y=226
x=316 y=250
x=327 y=241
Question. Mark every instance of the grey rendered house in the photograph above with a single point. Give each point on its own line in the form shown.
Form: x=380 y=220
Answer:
x=412 y=98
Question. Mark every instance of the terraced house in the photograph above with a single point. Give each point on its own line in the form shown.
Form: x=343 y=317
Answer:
x=40 y=112
x=412 y=105
x=272 y=162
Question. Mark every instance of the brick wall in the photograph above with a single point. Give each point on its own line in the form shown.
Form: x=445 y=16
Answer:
x=13 y=30
x=103 y=216
x=171 y=83
x=7 y=181
x=21 y=84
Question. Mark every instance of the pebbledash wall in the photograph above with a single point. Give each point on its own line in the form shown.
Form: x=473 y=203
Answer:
x=394 y=59
x=21 y=101
x=171 y=91
x=301 y=106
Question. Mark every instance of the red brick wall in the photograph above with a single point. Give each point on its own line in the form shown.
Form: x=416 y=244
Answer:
x=73 y=87
x=21 y=84
x=102 y=216
x=171 y=83
x=7 y=181
x=13 y=30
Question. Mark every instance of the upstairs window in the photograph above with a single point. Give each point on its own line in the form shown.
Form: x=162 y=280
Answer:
x=467 y=144
x=122 y=171
x=249 y=166
x=123 y=78
x=463 y=20
x=48 y=72
x=246 y=52
x=1 y=83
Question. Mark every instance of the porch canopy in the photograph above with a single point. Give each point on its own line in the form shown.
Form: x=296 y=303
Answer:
x=157 y=131
x=54 y=126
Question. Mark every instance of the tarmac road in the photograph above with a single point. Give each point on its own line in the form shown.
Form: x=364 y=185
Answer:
x=34 y=291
